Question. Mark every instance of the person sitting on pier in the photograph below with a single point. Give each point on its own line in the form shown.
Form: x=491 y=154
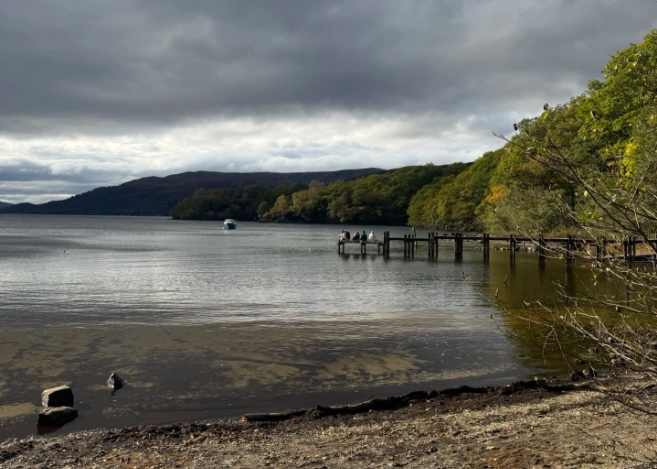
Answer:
x=341 y=236
x=372 y=236
x=345 y=235
x=363 y=236
x=356 y=236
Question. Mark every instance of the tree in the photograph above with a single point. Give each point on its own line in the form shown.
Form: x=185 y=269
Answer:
x=281 y=208
x=263 y=208
x=591 y=166
x=452 y=202
x=614 y=205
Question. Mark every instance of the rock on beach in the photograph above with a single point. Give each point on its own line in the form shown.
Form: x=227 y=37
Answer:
x=61 y=396
x=56 y=416
x=114 y=383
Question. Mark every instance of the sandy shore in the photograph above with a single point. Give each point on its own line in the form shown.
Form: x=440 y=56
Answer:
x=480 y=428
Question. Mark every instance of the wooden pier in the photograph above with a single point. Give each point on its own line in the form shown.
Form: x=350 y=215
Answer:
x=567 y=246
x=363 y=245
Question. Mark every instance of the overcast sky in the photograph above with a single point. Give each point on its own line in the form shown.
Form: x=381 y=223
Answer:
x=96 y=92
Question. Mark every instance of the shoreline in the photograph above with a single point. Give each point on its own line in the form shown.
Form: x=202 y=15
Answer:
x=552 y=423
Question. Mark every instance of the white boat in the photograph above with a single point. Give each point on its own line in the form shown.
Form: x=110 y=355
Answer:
x=229 y=224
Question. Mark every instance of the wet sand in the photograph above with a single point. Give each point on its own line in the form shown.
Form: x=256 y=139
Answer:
x=185 y=373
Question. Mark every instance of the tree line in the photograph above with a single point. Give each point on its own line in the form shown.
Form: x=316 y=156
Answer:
x=373 y=199
x=243 y=203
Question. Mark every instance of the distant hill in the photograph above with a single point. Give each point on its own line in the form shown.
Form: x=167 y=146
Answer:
x=4 y=204
x=157 y=196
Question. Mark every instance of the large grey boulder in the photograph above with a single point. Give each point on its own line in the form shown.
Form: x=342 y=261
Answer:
x=56 y=416
x=61 y=396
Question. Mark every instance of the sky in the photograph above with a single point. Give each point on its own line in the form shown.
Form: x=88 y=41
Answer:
x=95 y=93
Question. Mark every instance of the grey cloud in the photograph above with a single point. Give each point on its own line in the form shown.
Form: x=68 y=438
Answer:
x=103 y=67
x=450 y=71
x=18 y=170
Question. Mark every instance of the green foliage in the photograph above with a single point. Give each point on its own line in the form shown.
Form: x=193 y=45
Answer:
x=610 y=107
x=452 y=203
x=263 y=207
x=591 y=167
x=244 y=203
x=599 y=143
x=374 y=199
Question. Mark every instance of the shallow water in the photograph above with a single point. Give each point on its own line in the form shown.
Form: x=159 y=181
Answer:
x=205 y=323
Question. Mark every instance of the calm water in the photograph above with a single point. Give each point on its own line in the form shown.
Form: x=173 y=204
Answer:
x=206 y=323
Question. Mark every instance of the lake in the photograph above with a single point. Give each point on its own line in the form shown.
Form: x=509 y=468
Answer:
x=205 y=323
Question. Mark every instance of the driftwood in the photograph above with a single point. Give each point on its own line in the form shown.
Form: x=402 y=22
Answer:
x=275 y=416
x=397 y=402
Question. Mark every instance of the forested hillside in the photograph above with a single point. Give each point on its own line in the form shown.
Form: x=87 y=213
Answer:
x=604 y=139
x=607 y=137
x=244 y=203
x=374 y=199
x=4 y=204
x=158 y=195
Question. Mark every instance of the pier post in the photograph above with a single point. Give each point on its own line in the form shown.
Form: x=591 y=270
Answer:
x=458 y=245
x=405 y=247
x=570 y=248
x=429 y=246
x=386 y=243
x=413 y=243
x=512 y=247
x=541 y=247
x=434 y=245
x=488 y=246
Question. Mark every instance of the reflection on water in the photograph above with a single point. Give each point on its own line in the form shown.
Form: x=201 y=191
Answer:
x=202 y=323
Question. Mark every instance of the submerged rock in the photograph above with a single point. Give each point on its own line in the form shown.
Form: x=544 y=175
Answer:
x=61 y=396
x=114 y=383
x=56 y=416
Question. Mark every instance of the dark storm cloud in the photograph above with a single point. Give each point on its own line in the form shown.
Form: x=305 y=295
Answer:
x=160 y=61
x=95 y=92
x=73 y=64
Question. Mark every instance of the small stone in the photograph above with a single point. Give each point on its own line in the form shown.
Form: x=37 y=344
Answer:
x=590 y=373
x=56 y=416
x=61 y=396
x=114 y=383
